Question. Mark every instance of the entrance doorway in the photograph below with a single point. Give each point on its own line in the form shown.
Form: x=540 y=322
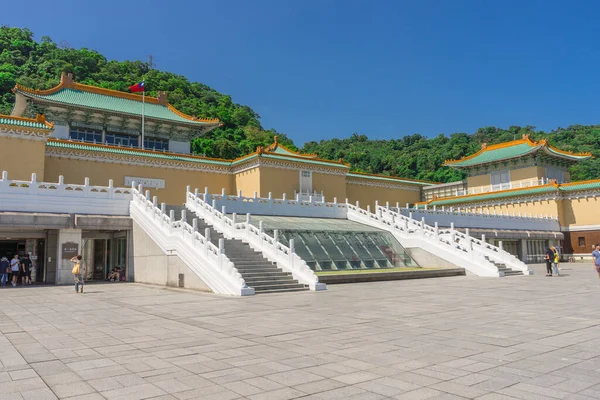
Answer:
x=8 y=248
x=35 y=248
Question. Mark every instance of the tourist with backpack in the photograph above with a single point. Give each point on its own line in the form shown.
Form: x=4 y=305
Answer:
x=78 y=273
x=4 y=271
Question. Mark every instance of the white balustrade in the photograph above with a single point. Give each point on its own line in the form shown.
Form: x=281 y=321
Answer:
x=59 y=197
x=300 y=206
x=479 y=219
x=271 y=248
x=450 y=244
x=177 y=237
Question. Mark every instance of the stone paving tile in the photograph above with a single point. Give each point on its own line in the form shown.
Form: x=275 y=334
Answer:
x=496 y=339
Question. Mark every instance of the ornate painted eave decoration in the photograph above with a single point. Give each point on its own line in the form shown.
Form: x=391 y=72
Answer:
x=553 y=187
x=37 y=124
x=70 y=93
x=514 y=149
x=278 y=151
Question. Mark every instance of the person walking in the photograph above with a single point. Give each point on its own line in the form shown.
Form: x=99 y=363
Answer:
x=596 y=259
x=4 y=271
x=549 y=257
x=26 y=270
x=555 y=260
x=14 y=269
x=78 y=273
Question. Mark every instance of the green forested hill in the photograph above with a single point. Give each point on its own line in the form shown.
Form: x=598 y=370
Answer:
x=418 y=157
x=38 y=64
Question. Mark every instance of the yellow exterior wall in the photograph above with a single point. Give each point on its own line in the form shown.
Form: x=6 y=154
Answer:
x=583 y=211
x=75 y=172
x=248 y=182
x=331 y=185
x=278 y=181
x=477 y=182
x=367 y=195
x=22 y=157
x=526 y=175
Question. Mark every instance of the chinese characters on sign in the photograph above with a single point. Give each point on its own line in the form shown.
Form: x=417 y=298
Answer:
x=70 y=250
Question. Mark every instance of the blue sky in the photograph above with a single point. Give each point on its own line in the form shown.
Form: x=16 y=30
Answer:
x=317 y=69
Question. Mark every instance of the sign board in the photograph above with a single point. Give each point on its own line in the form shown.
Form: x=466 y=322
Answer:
x=145 y=182
x=70 y=250
x=33 y=258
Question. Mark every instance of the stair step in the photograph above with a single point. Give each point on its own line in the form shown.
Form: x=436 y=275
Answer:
x=265 y=280
x=250 y=275
x=259 y=291
x=278 y=286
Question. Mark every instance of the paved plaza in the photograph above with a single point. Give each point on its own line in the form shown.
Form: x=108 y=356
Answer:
x=447 y=338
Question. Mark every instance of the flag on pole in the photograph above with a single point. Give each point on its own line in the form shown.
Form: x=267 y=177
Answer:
x=138 y=87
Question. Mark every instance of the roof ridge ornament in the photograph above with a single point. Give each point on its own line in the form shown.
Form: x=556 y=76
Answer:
x=66 y=80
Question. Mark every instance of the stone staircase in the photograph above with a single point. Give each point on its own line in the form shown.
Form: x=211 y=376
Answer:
x=503 y=268
x=258 y=272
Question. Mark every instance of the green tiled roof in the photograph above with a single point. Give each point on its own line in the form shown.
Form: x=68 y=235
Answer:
x=132 y=152
x=493 y=195
x=574 y=156
x=390 y=179
x=497 y=155
x=112 y=103
x=515 y=149
x=23 y=123
x=586 y=185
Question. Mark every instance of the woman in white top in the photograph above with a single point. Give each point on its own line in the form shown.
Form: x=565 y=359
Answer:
x=14 y=268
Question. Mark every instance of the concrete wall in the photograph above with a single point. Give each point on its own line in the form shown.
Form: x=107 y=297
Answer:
x=582 y=211
x=248 y=182
x=21 y=157
x=279 y=181
x=331 y=185
x=367 y=195
x=426 y=259
x=153 y=266
x=526 y=175
x=75 y=171
x=541 y=207
x=477 y=182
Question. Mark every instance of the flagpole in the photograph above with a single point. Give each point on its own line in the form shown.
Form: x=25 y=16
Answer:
x=143 y=106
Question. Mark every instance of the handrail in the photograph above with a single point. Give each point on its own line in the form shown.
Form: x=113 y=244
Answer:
x=412 y=233
x=195 y=250
x=270 y=246
x=465 y=241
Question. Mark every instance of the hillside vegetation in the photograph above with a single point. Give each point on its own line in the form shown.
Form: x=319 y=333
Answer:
x=38 y=64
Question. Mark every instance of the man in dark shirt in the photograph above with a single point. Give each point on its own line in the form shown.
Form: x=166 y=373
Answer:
x=26 y=270
x=549 y=257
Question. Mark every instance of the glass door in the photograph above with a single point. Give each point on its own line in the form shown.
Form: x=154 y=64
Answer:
x=99 y=259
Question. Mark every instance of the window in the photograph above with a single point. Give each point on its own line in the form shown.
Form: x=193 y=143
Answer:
x=554 y=173
x=156 y=144
x=121 y=139
x=500 y=180
x=86 y=135
x=305 y=182
x=581 y=241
